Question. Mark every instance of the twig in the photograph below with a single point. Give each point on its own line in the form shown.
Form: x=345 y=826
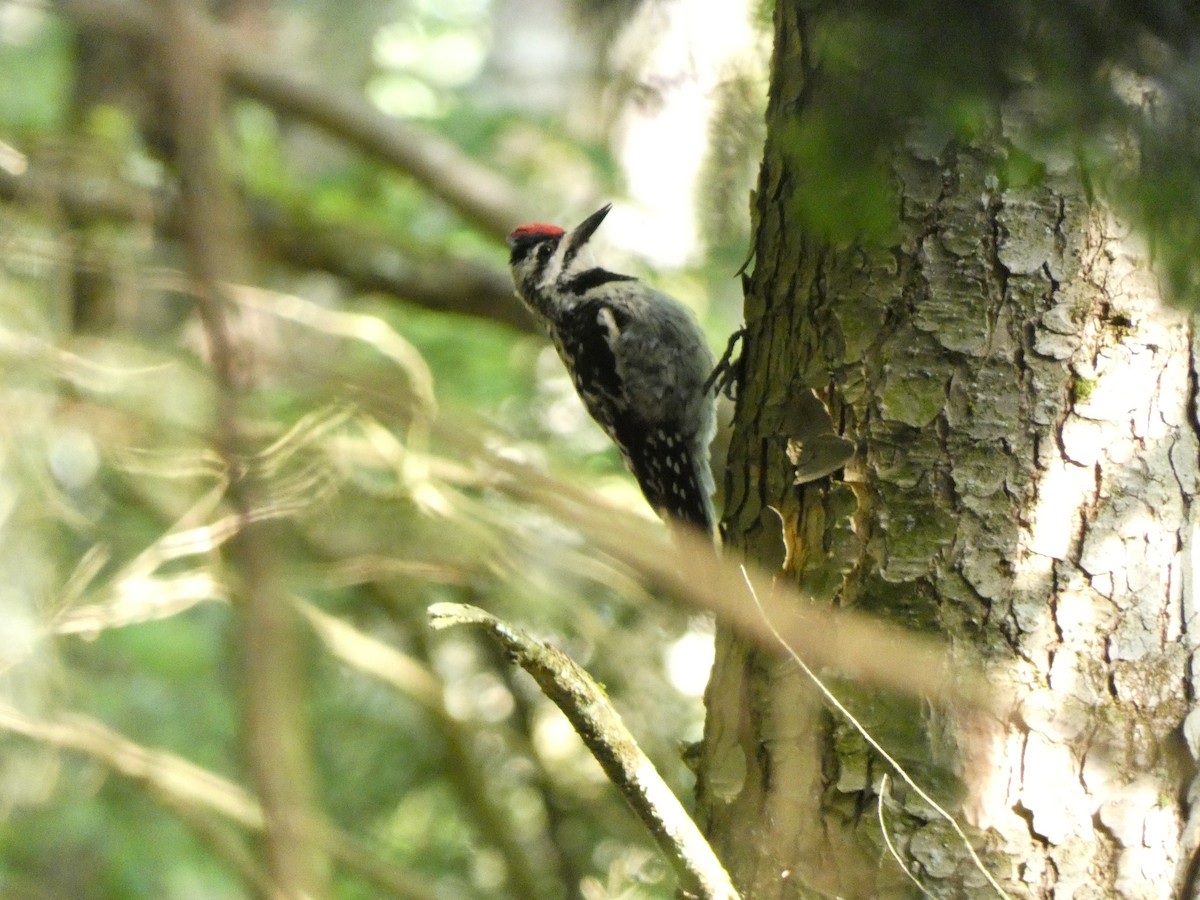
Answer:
x=598 y=724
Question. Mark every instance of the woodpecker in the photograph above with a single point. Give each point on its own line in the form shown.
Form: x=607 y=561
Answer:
x=638 y=359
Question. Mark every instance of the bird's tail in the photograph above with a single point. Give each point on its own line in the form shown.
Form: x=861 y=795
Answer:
x=677 y=482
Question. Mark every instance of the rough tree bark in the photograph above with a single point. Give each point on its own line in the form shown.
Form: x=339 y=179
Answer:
x=1024 y=412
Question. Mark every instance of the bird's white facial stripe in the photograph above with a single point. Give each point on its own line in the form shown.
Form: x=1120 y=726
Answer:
x=579 y=262
x=553 y=268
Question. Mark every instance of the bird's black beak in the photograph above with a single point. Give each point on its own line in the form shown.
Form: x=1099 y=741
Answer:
x=584 y=230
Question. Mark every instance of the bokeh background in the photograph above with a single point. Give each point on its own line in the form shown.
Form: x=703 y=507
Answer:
x=371 y=157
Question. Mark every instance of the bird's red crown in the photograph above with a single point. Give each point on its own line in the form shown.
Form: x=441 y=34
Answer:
x=535 y=229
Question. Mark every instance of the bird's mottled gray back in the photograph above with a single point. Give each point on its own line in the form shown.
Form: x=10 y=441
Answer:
x=638 y=359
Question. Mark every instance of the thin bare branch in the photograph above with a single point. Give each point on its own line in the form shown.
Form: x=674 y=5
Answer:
x=415 y=680
x=596 y=721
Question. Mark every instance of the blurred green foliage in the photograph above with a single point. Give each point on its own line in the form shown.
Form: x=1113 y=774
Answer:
x=121 y=604
x=108 y=459
x=36 y=74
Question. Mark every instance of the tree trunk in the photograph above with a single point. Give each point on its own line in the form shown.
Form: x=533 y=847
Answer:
x=1024 y=413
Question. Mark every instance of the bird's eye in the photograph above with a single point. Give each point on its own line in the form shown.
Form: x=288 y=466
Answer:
x=543 y=252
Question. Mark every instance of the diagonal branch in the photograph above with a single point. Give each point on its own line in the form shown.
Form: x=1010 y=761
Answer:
x=474 y=191
x=478 y=194
x=595 y=720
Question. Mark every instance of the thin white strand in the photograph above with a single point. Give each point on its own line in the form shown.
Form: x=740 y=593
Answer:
x=858 y=726
x=883 y=790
